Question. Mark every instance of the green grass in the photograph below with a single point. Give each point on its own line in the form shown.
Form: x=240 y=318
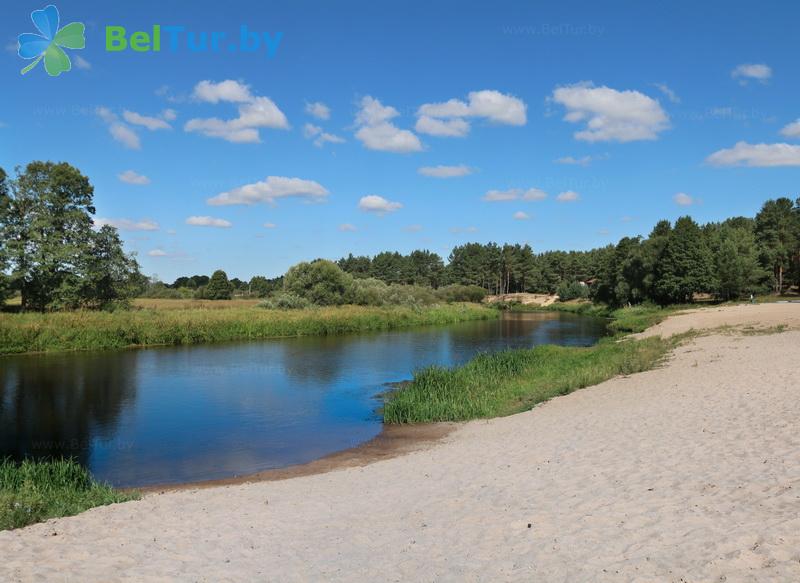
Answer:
x=59 y=331
x=508 y=382
x=33 y=491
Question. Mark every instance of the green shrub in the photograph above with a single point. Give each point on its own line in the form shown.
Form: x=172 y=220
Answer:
x=368 y=292
x=572 y=290
x=284 y=301
x=409 y=295
x=321 y=282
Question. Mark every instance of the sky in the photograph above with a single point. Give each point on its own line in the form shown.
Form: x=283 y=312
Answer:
x=363 y=126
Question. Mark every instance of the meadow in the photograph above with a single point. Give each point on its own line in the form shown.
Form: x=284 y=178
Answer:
x=179 y=322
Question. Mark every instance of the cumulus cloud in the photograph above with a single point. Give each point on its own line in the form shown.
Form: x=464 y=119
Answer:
x=531 y=194
x=318 y=110
x=611 y=115
x=157 y=253
x=568 y=196
x=447 y=119
x=683 y=199
x=445 y=171
x=254 y=112
x=377 y=132
x=752 y=72
x=206 y=221
x=128 y=224
x=792 y=130
x=270 y=190
x=121 y=132
x=347 y=228
x=756 y=155
x=521 y=216
x=151 y=123
x=320 y=137
x=131 y=177
x=378 y=205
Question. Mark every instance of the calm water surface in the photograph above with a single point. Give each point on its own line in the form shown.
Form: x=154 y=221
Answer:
x=166 y=415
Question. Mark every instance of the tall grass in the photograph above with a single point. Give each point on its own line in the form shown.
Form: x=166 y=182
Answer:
x=508 y=382
x=33 y=491
x=34 y=332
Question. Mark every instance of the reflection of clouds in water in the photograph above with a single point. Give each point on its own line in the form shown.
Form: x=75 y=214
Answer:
x=190 y=413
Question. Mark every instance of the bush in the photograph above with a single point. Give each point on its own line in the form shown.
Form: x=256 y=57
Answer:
x=572 y=290
x=321 y=282
x=284 y=301
x=461 y=293
x=368 y=292
x=409 y=295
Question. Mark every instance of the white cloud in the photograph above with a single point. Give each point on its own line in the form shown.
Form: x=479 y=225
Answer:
x=169 y=114
x=611 y=115
x=683 y=199
x=270 y=190
x=270 y=225
x=582 y=161
x=531 y=194
x=451 y=128
x=376 y=132
x=347 y=228
x=752 y=72
x=151 y=123
x=125 y=135
x=128 y=224
x=377 y=204
x=157 y=253
x=521 y=216
x=792 y=130
x=131 y=177
x=318 y=110
x=446 y=119
x=118 y=130
x=445 y=171
x=568 y=196
x=206 y=221
x=666 y=90
x=228 y=90
x=254 y=113
x=82 y=63
x=756 y=155
x=320 y=137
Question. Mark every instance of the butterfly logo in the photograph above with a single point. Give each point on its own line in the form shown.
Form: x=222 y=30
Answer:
x=50 y=44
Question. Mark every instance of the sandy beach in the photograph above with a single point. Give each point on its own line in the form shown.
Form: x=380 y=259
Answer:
x=690 y=472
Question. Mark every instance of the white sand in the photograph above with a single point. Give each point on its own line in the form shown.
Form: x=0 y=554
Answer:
x=686 y=473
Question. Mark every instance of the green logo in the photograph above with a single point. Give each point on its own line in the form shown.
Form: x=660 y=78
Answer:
x=48 y=45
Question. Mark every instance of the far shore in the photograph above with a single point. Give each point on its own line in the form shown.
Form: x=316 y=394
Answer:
x=683 y=472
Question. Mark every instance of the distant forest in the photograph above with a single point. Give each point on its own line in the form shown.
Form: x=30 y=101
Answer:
x=728 y=260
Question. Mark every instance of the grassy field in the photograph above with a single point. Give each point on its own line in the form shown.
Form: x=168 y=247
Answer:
x=159 y=323
x=35 y=491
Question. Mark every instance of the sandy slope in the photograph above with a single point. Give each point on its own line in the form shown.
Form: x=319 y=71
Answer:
x=686 y=473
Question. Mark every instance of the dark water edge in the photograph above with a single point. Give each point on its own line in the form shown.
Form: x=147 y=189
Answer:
x=205 y=412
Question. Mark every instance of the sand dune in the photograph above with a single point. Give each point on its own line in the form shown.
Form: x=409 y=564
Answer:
x=690 y=472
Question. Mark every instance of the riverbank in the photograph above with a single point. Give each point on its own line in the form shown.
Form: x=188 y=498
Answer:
x=687 y=471
x=64 y=331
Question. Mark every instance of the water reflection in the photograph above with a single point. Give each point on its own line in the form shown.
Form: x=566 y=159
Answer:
x=189 y=413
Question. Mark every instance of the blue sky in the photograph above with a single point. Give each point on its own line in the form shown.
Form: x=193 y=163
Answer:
x=648 y=102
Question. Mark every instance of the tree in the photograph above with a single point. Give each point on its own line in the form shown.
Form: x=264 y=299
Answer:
x=218 y=288
x=736 y=258
x=4 y=204
x=49 y=242
x=685 y=266
x=320 y=282
x=776 y=231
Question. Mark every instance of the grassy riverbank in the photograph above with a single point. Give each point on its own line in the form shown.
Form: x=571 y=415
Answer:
x=35 y=491
x=508 y=382
x=59 y=331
